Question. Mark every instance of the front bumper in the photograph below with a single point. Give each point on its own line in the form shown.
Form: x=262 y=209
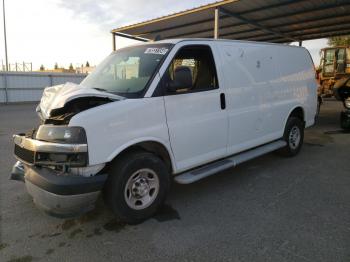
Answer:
x=59 y=194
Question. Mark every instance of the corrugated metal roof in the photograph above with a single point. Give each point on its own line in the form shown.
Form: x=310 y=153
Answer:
x=277 y=21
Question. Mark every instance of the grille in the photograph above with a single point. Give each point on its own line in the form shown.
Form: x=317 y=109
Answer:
x=24 y=154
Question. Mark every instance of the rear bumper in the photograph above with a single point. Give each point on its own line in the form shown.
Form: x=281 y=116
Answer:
x=60 y=195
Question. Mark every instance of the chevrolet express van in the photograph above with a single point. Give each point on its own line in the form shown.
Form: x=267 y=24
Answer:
x=155 y=112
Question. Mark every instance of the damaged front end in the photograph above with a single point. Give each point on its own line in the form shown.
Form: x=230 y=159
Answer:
x=56 y=174
x=60 y=103
x=53 y=159
x=62 y=116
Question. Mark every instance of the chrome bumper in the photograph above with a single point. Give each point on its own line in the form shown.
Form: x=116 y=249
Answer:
x=35 y=152
x=48 y=147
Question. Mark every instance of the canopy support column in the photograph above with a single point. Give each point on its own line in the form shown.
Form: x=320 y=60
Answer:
x=113 y=42
x=216 y=22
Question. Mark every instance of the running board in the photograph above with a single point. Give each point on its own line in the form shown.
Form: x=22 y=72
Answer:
x=220 y=165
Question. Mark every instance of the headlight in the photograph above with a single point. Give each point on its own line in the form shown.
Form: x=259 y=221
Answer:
x=347 y=103
x=61 y=134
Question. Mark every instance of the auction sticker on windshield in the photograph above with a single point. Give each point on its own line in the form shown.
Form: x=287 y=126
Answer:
x=156 y=51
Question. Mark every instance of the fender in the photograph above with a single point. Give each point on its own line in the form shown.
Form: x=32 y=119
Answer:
x=133 y=142
x=290 y=111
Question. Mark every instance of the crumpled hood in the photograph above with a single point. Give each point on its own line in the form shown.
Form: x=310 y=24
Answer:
x=57 y=96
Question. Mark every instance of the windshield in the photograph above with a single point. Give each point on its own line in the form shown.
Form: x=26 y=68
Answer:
x=127 y=71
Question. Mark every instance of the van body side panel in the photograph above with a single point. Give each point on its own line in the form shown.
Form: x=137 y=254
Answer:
x=263 y=84
x=246 y=74
x=112 y=127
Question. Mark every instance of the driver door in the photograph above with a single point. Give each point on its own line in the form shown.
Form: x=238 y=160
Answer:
x=196 y=118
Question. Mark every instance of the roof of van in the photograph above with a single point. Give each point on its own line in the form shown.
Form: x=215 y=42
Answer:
x=278 y=21
x=178 y=40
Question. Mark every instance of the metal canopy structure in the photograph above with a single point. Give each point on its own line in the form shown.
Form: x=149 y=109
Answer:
x=278 y=21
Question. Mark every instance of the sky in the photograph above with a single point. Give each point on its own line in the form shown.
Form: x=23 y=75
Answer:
x=76 y=31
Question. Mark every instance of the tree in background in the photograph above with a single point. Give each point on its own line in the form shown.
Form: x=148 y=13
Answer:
x=339 y=40
x=71 y=66
x=87 y=64
x=42 y=68
x=56 y=66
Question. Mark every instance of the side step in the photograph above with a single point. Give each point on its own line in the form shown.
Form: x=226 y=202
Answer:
x=220 y=165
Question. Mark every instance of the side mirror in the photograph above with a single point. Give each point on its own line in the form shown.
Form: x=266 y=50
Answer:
x=182 y=79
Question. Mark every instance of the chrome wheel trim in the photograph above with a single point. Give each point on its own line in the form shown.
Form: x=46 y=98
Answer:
x=141 y=189
x=294 y=137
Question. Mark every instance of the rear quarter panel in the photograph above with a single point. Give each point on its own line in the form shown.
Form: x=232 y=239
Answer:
x=296 y=85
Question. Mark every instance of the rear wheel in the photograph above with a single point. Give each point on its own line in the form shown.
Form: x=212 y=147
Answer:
x=294 y=136
x=137 y=186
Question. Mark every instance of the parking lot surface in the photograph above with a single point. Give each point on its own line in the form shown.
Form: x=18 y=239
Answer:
x=268 y=209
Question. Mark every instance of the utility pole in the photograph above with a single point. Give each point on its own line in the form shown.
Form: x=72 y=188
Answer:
x=3 y=14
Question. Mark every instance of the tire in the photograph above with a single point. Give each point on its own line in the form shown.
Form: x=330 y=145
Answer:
x=137 y=186
x=294 y=136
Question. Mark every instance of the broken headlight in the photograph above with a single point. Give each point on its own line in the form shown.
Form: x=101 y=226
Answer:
x=61 y=134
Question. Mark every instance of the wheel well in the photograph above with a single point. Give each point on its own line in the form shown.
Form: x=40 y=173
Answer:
x=297 y=112
x=152 y=147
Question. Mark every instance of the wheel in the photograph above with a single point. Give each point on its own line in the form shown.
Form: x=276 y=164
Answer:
x=137 y=186
x=294 y=136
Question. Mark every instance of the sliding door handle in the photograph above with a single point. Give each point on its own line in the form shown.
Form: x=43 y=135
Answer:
x=222 y=101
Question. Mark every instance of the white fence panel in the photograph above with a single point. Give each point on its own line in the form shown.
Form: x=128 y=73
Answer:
x=29 y=86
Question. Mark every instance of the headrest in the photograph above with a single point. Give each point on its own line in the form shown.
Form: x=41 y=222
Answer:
x=183 y=76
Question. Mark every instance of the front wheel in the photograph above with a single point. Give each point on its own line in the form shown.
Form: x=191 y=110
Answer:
x=294 y=136
x=137 y=186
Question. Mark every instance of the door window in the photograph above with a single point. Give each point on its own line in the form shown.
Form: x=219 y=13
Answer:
x=198 y=60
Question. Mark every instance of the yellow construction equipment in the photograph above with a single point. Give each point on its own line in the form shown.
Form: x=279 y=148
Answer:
x=334 y=66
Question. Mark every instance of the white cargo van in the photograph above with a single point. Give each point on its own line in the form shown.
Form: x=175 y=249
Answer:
x=170 y=110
